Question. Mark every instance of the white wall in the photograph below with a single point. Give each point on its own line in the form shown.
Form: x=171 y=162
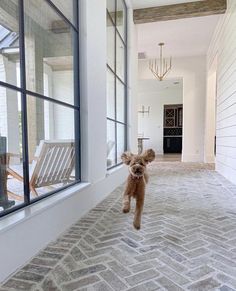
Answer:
x=193 y=72
x=210 y=115
x=223 y=46
x=152 y=125
x=39 y=224
x=93 y=78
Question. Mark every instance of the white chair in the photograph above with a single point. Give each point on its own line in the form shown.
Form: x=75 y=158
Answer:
x=53 y=164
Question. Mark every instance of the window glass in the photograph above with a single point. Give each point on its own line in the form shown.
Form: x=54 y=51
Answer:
x=47 y=100
x=120 y=58
x=49 y=52
x=110 y=44
x=120 y=100
x=120 y=18
x=110 y=94
x=116 y=80
x=11 y=163
x=111 y=7
x=9 y=43
x=66 y=7
x=120 y=141
x=111 y=140
x=51 y=146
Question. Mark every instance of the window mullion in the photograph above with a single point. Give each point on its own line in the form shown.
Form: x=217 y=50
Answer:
x=115 y=83
x=126 y=79
x=77 y=128
x=24 y=104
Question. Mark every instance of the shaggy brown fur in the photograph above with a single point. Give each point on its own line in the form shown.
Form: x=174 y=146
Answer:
x=136 y=182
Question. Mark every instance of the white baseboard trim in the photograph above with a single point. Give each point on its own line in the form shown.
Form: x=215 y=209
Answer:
x=192 y=158
x=209 y=159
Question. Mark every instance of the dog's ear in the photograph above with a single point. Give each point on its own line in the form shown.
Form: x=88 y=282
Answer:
x=149 y=156
x=126 y=157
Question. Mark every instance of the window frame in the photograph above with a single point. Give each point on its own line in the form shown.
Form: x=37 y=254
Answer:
x=74 y=25
x=124 y=82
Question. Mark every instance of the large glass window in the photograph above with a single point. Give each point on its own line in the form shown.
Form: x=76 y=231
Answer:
x=39 y=100
x=116 y=81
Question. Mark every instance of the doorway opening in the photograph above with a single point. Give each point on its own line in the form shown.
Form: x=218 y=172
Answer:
x=160 y=117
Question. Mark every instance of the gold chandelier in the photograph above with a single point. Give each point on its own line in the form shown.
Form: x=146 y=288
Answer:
x=162 y=69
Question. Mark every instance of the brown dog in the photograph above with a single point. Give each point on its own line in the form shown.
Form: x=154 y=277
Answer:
x=136 y=181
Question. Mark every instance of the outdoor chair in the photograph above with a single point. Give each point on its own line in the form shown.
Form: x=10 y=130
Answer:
x=53 y=164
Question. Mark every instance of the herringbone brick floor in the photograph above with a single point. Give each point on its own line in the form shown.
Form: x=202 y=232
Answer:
x=187 y=240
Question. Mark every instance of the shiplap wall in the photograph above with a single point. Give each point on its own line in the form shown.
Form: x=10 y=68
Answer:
x=223 y=47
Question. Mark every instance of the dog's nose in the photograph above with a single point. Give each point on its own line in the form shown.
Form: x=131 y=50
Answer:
x=138 y=170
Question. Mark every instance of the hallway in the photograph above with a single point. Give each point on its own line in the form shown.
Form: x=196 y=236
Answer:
x=187 y=240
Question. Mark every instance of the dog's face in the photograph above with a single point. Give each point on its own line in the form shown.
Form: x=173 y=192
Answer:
x=137 y=163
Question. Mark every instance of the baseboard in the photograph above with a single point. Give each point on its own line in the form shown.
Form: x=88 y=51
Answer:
x=192 y=158
x=209 y=159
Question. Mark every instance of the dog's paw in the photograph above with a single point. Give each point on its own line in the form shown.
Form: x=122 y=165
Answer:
x=136 y=225
x=126 y=210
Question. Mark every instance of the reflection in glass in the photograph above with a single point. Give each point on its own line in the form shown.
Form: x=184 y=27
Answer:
x=111 y=7
x=120 y=18
x=120 y=58
x=120 y=101
x=111 y=153
x=51 y=146
x=49 y=52
x=66 y=7
x=120 y=141
x=110 y=44
x=9 y=43
x=116 y=80
x=110 y=94
x=11 y=186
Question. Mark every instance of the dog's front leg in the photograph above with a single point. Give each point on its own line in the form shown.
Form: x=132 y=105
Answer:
x=127 y=195
x=126 y=202
x=126 y=199
x=138 y=211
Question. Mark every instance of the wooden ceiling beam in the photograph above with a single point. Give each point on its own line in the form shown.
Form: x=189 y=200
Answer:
x=178 y=11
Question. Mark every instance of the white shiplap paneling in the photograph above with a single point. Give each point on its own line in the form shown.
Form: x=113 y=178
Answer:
x=223 y=46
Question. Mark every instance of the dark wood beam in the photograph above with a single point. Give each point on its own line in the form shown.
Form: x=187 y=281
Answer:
x=178 y=11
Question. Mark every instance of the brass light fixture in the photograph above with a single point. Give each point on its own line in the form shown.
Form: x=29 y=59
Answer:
x=162 y=69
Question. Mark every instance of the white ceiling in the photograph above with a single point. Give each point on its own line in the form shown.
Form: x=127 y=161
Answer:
x=182 y=37
x=138 y=4
x=153 y=85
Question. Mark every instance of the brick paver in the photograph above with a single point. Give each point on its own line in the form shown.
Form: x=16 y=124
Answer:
x=187 y=240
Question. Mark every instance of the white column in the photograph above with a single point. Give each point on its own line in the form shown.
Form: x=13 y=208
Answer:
x=93 y=88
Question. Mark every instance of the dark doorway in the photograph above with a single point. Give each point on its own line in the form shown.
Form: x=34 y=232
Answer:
x=173 y=129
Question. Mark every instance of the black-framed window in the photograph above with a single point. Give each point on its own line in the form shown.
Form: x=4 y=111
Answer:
x=39 y=100
x=116 y=81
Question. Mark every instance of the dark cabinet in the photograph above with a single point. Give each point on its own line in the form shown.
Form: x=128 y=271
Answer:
x=172 y=145
x=173 y=122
